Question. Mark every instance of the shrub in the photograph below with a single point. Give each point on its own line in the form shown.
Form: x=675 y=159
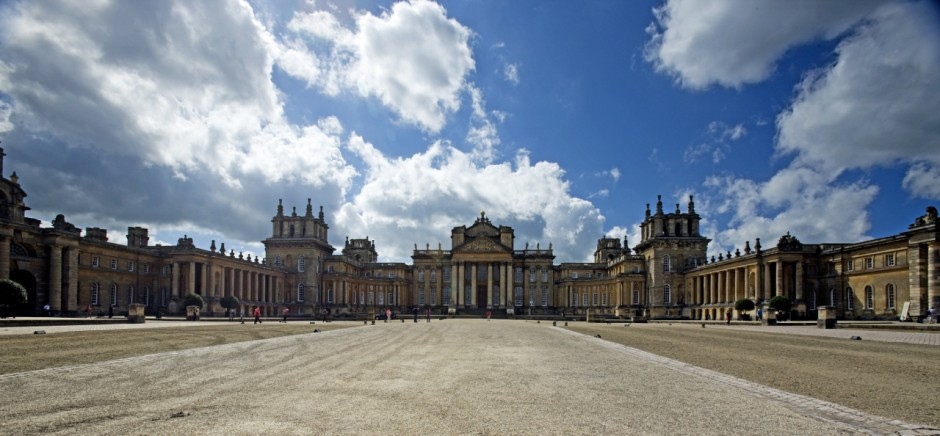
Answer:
x=780 y=303
x=744 y=305
x=11 y=293
x=193 y=300
x=230 y=302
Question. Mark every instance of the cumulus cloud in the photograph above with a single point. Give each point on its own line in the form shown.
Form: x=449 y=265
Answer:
x=737 y=42
x=800 y=200
x=482 y=134
x=412 y=58
x=176 y=92
x=877 y=104
x=414 y=199
x=874 y=105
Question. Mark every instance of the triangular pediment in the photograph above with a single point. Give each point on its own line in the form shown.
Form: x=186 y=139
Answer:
x=481 y=245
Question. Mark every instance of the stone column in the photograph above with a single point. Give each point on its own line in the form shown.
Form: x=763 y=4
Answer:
x=4 y=257
x=207 y=280
x=454 y=283
x=230 y=283
x=175 y=280
x=508 y=287
x=461 y=279
x=55 y=277
x=489 y=285
x=779 y=290
x=766 y=291
x=933 y=275
x=473 y=284
x=799 y=280
x=71 y=303
x=191 y=283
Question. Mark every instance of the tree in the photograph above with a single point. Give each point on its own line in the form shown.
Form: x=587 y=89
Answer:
x=744 y=305
x=193 y=300
x=780 y=303
x=230 y=302
x=11 y=295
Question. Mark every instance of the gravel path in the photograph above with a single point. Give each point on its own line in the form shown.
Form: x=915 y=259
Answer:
x=446 y=377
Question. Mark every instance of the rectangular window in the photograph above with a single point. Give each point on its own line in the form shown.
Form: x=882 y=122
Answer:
x=113 y=263
x=371 y=297
x=532 y=276
x=165 y=270
x=869 y=262
x=146 y=295
x=636 y=296
x=889 y=259
x=146 y=268
x=421 y=275
x=95 y=261
x=544 y=297
x=329 y=296
x=433 y=296
x=433 y=275
x=446 y=297
x=130 y=294
x=594 y=300
x=131 y=266
x=467 y=297
x=447 y=275
x=329 y=268
x=574 y=299
x=164 y=295
x=381 y=299
x=421 y=295
x=94 y=294
x=890 y=292
x=518 y=275
x=604 y=299
x=114 y=298
x=850 y=265
x=574 y=274
x=518 y=297
x=587 y=275
x=544 y=276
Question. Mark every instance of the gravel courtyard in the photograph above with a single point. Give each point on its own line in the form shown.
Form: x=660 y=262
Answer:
x=446 y=377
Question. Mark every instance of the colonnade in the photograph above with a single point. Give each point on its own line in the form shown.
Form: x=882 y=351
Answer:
x=216 y=281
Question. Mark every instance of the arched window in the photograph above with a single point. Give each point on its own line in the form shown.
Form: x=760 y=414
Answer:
x=869 y=297
x=849 y=299
x=636 y=296
x=889 y=292
x=95 y=293
x=667 y=263
x=277 y=260
x=300 y=292
x=667 y=294
x=301 y=264
x=130 y=294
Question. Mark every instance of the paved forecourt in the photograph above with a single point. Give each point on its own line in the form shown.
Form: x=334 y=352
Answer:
x=450 y=376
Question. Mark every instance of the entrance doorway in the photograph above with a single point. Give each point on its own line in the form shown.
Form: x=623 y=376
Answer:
x=481 y=297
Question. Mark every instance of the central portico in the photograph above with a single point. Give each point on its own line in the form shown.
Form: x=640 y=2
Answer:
x=478 y=271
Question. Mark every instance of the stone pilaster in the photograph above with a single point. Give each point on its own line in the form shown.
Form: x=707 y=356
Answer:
x=55 y=278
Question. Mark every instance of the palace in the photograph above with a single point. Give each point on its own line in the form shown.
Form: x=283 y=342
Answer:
x=667 y=275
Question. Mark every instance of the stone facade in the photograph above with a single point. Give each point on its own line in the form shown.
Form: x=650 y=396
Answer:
x=667 y=275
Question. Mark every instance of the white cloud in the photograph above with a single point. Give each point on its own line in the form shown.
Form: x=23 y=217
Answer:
x=412 y=58
x=163 y=96
x=877 y=104
x=511 y=73
x=716 y=143
x=410 y=200
x=800 y=200
x=5 y=111
x=613 y=173
x=921 y=180
x=737 y=42
x=482 y=133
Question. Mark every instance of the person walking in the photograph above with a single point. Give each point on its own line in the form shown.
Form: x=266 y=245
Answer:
x=760 y=313
x=488 y=315
x=110 y=311
x=932 y=315
x=728 y=318
x=414 y=310
x=429 y=313
x=388 y=315
x=284 y=314
x=257 y=314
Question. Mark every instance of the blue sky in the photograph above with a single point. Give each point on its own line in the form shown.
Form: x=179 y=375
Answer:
x=405 y=119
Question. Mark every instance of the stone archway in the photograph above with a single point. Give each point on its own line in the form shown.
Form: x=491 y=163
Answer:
x=28 y=281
